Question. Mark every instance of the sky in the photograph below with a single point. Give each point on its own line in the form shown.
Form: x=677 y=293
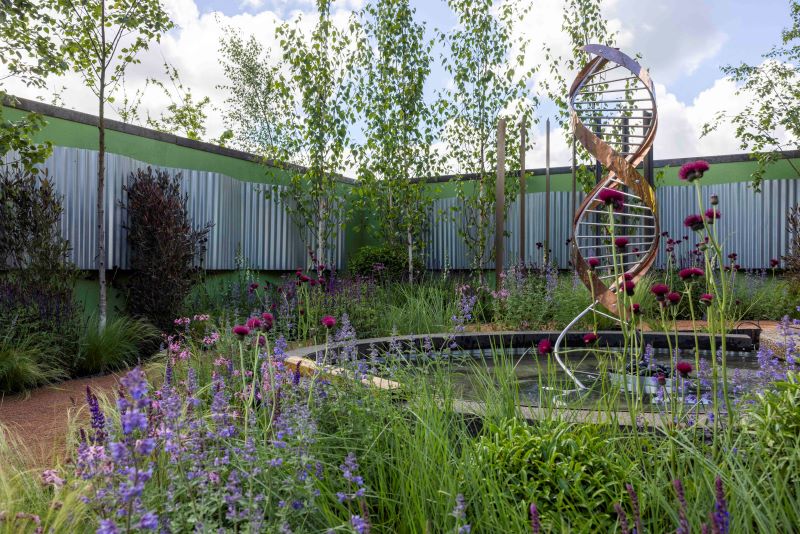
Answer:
x=682 y=42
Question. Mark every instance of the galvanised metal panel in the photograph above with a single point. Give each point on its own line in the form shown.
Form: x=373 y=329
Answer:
x=753 y=225
x=239 y=211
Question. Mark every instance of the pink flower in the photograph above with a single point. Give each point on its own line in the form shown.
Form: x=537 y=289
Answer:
x=621 y=242
x=241 y=330
x=328 y=321
x=611 y=197
x=684 y=368
x=590 y=338
x=593 y=263
x=544 y=347
x=693 y=170
x=694 y=221
x=659 y=290
x=712 y=214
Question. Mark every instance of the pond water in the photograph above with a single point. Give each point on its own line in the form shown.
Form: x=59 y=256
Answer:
x=541 y=383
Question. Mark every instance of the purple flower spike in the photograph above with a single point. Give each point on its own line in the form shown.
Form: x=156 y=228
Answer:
x=536 y=525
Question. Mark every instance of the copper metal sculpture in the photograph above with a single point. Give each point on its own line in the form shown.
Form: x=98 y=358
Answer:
x=614 y=116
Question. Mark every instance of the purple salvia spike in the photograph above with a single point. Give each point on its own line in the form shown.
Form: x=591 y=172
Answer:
x=623 y=519
x=637 y=517
x=721 y=515
x=536 y=525
x=683 y=523
x=704 y=529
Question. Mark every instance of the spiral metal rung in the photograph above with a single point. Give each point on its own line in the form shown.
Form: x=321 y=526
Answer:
x=614 y=116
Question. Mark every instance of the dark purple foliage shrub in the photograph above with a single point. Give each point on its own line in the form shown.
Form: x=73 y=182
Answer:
x=166 y=250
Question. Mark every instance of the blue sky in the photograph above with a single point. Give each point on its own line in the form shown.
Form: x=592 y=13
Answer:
x=682 y=42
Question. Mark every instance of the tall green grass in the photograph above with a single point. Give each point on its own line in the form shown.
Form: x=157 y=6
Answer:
x=28 y=359
x=121 y=343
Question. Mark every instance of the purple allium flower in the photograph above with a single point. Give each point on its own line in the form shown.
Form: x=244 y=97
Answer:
x=241 y=330
x=706 y=298
x=594 y=263
x=328 y=321
x=693 y=170
x=621 y=242
x=611 y=197
x=694 y=221
x=536 y=525
x=673 y=297
x=544 y=346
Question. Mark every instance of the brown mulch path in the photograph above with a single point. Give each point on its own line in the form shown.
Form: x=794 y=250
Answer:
x=39 y=418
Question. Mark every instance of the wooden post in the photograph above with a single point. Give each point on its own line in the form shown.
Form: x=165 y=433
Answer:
x=522 y=184
x=499 y=202
x=547 y=192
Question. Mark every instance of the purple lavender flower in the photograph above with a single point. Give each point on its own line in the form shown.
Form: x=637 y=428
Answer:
x=98 y=419
x=360 y=525
x=721 y=517
x=536 y=525
x=683 y=522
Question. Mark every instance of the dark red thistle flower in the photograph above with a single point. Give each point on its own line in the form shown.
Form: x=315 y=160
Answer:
x=664 y=234
x=241 y=330
x=684 y=368
x=693 y=170
x=706 y=298
x=732 y=256
x=659 y=290
x=328 y=321
x=636 y=309
x=691 y=272
x=627 y=276
x=544 y=346
x=712 y=214
x=312 y=282
x=253 y=323
x=694 y=221
x=661 y=379
x=628 y=286
x=539 y=244
x=268 y=317
x=594 y=263
x=737 y=267
x=304 y=278
x=298 y=272
x=621 y=242
x=635 y=250
x=774 y=263
x=670 y=241
x=262 y=341
x=611 y=197
x=590 y=338
x=674 y=297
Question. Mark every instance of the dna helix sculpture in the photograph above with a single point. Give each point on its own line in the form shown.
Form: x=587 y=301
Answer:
x=614 y=116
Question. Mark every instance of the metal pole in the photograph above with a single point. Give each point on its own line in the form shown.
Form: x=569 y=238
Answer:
x=522 y=185
x=547 y=192
x=500 y=201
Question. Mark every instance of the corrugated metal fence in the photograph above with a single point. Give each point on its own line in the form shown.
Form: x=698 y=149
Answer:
x=241 y=214
x=752 y=224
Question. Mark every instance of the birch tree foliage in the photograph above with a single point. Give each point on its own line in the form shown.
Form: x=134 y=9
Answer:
x=394 y=61
x=770 y=122
x=317 y=136
x=488 y=80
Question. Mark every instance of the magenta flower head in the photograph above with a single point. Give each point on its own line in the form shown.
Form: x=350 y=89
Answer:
x=304 y=278
x=636 y=309
x=659 y=290
x=628 y=286
x=712 y=214
x=544 y=346
x=693 y=170
x=328 y=321
x=590 y=338
x=694 y=221
x=253 y=323
x=684 y=368
x=674 y=297
x=611 y=197
x=774 y=263
x=268 y=317
x=706 y=298
x=241 y=330
x=594 y=263
x=690 y=273
x=621 y=242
